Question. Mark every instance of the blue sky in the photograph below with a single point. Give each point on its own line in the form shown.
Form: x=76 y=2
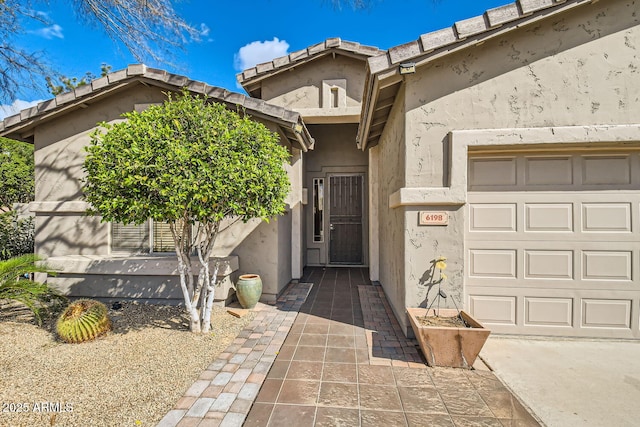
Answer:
x=236 y=35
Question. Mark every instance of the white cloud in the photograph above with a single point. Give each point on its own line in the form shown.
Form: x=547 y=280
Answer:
x=16 y=106
x=50 y=32
x=201 y=34
x=258 y=52
x=204 y=30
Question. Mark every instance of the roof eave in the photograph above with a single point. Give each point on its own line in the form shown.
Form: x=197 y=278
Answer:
x=20 y=126
x=251 y=77
x=461 y=35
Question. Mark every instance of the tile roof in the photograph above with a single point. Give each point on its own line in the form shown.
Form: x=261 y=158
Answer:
x=462 y=30
x=290 y=122
x=435 y=44
x=326 y=47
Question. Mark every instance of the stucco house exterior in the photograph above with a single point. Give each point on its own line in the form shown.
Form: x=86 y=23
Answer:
x=509 y=143
x=110 y=261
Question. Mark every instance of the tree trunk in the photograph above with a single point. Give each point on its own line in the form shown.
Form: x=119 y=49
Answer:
x=186 y=281
x=210 y=280
x=194 y=323
x=206 y=327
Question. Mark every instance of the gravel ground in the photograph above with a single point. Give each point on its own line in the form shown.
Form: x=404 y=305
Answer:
x=130 y=377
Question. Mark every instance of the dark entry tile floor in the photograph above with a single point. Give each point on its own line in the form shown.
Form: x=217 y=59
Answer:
x=331 y=353
x=346 y=362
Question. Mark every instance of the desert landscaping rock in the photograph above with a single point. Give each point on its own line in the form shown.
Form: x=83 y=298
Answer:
x=132 y=376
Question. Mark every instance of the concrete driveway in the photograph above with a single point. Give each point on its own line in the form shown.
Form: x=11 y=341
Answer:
x=570 y=382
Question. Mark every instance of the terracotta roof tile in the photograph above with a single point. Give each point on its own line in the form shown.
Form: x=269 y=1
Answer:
x=299 y=56
x=286 y=118
x=27 y=113
x=116 y=76
x=502 y=14
x=404 y=51
x=136 y=69
x=460 y=35
x=491 y=19
x=83 y=90
x=45 y=106
x=530 y=6
x=437 y=39
x=65 y=97
x=216 y=92
x=99 y=83
x=471 y=26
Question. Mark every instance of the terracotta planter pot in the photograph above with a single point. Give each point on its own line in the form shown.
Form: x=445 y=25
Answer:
x=447 y=346
x=248 y=290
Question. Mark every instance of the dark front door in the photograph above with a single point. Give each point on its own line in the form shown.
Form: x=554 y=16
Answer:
x=345 y=219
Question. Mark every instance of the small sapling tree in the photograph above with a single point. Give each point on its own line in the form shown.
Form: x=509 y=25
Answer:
x=191 y=163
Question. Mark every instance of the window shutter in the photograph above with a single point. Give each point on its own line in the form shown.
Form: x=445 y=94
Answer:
x=129 y=238
x=162 y=238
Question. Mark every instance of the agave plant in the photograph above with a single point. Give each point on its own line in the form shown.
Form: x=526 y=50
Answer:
x=83 y=320
x=16 y=285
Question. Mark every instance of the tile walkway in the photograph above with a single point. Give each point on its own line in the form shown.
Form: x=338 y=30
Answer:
x=341 y=361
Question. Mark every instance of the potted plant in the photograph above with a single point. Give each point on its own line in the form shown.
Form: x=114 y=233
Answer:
x=447 y=337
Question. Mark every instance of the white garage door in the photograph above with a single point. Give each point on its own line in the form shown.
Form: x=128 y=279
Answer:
x=552 y=243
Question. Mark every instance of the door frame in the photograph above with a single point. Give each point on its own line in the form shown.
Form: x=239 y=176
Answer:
x=327 y=216
x=323 y=247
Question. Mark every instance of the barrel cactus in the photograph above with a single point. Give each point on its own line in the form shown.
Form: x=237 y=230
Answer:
x=83 y=320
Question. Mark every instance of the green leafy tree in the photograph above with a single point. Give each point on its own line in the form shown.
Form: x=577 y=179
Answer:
x=16 y=172
x=15 y=284
x=191 y=163
x=62 y=83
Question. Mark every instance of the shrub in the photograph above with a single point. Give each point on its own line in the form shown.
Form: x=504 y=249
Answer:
x=15 y=284
x=16 y=235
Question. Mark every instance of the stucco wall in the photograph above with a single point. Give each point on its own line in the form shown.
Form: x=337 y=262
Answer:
x=335 y=152
x=59 y=155
x=303 y=87
x=63 y=229
x=335 y=147
x=391 y=221
x=575 y=68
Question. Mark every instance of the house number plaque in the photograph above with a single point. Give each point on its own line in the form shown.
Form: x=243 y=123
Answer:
x=434 y=218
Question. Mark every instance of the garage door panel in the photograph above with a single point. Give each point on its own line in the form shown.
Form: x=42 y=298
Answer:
x=606 y=170
x=488 y=173
x=493 y=217
x=556 y=312
x=578 y=221
x=602 y=313
x=493 y=309
x=548 y=217
x=548 y=171
x=607 y=265
x=548 y=264
x=493 y=263
x=551 y=312
x=606 y=217
x=558 y=252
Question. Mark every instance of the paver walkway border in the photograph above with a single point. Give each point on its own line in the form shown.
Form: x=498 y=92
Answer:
x=225 y=391
x=311 y=359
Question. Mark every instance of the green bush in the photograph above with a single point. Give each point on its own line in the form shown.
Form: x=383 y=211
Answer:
x=16 y=235
x=16 y=285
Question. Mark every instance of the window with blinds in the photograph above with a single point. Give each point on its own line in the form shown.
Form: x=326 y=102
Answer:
x=129 y=238
x=162 y=238
x=141 y=238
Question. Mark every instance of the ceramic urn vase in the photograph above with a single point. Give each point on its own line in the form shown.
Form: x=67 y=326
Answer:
x=248 y=290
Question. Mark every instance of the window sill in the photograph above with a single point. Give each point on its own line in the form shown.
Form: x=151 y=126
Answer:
x=164 y=264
